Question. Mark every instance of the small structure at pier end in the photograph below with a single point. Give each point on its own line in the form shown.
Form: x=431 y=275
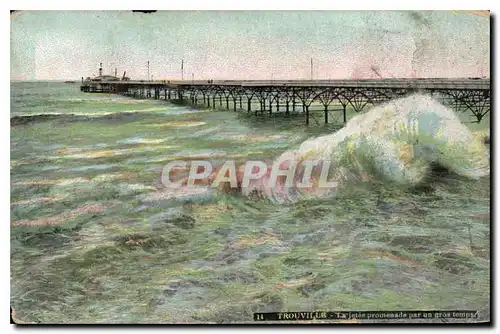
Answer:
x=99 y=84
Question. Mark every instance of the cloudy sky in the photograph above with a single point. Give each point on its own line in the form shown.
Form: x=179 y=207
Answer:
x=54 y=45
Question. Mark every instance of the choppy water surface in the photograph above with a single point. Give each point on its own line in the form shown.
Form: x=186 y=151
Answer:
x=95 y=238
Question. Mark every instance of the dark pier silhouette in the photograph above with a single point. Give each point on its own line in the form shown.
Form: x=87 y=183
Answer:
x=297 y=96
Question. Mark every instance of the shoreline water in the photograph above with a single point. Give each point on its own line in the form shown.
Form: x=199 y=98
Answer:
x=137 y=254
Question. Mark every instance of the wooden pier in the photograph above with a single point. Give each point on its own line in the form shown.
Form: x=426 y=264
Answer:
x=296 y=96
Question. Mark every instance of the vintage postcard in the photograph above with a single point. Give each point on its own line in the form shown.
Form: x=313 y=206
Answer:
x=250 y=167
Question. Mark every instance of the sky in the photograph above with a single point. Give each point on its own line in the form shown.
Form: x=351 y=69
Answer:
x=245 y=45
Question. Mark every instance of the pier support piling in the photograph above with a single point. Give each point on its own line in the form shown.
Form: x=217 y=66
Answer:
x=471 y=95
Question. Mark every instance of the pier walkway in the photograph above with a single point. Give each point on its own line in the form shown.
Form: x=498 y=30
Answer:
x=296 y=96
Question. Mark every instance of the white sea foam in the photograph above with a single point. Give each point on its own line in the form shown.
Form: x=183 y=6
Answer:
x=400 y=139
x=398 y=142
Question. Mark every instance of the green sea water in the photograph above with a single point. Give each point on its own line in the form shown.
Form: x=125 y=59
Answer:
x=95 y=238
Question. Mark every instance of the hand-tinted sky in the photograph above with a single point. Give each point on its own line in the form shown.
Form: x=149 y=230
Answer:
x=249 y=45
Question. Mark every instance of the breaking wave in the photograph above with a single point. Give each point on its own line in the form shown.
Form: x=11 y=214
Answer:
x=64 y=117
x=127 y=115
x=401 y=141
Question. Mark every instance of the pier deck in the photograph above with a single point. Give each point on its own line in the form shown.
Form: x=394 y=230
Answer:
x=469 y=94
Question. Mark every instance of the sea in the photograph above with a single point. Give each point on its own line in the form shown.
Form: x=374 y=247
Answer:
x=96 y=238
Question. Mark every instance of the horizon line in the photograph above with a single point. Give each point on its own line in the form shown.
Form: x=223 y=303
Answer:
x=262 y=79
